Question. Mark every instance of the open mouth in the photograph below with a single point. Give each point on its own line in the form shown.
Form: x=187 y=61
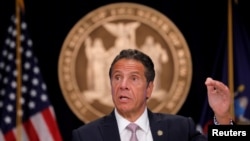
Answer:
x=123 y=98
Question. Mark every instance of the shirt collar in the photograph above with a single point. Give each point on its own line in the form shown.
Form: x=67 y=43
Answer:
x=142 y=121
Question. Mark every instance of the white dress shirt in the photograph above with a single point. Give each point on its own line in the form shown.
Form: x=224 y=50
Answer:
x=143 y=134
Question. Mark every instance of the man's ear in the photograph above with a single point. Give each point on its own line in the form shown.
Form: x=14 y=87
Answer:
x=149 y=89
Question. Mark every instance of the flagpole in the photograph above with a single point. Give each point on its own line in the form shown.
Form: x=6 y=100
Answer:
x=230 y=55
x=19 y=6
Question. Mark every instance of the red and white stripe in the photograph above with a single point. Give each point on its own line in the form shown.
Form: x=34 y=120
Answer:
x=40 y=127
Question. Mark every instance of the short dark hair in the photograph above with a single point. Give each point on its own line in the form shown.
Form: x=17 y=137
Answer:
x=138 y=56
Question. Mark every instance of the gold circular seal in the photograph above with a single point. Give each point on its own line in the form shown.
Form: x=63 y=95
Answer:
x=98 y=37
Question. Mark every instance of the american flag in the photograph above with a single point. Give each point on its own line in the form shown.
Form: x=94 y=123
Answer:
x=38 y=118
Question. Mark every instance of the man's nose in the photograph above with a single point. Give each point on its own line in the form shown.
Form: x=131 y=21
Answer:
x=124 y=83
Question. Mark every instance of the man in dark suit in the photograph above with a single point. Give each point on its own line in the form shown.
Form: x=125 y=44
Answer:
x=131 y=77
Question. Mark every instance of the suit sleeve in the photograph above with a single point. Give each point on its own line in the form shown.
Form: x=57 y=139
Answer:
x=75 y=136
x=194 y=134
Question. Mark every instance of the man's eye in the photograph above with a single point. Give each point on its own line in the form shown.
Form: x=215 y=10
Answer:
x=134 y=78
x=117 y=77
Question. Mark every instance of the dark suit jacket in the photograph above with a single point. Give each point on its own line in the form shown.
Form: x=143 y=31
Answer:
x=173 y=127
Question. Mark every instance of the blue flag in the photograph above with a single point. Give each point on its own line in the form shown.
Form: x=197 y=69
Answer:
x=241 y=69
x=241 y=50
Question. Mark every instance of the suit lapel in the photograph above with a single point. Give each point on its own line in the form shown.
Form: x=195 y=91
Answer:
x=159 y=132
x=109 y=128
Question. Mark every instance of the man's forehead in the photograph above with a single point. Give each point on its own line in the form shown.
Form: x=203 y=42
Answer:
x=128 y=63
